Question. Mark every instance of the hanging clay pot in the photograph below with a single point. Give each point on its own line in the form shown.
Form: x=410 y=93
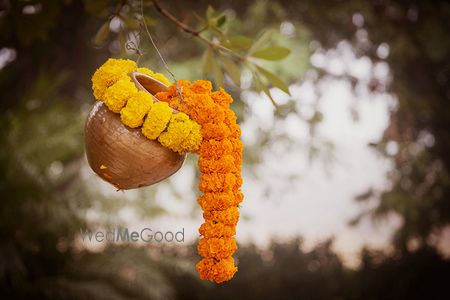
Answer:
x=123 y=156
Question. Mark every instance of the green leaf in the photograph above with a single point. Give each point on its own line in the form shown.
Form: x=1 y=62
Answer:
x=257 y=82
x=285 y=109
x=272 y=53
x=232 y=70
x=274 y=80
x=102 y=34
x=239 y=42
x=221 y=20
x=267 y=92
x=217 y=72
x=262 y=87
x=262 y=41
x=207 y=61
x=209 y=12
x=317 y=118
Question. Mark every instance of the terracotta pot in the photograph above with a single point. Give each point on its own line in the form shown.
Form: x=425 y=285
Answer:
x=123 y=156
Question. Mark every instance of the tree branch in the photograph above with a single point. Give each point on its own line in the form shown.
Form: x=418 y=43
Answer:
x=193 y=32
x=174 y=20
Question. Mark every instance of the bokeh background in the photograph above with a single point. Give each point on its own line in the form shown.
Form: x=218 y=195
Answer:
x=346 y=178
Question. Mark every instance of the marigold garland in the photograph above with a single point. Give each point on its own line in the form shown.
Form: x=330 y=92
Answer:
x=112 y=84
x=117 y=95
x=157 y=120
x=137 y=107
x=200 y=122
x=220 y=163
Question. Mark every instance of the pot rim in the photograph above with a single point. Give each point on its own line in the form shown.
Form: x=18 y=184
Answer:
x=148 y=84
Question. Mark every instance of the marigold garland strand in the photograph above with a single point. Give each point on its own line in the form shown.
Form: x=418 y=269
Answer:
x=202 y=123
x=220 y=164
x=112 y=84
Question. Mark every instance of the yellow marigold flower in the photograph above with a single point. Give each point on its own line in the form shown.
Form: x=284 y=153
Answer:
x=194 y=139
x=216 y=271
x=109 y=73
x=229 y=216
x=157 y=76
x=157 y=120
x=118 y=94
x=137 y=107
x=217 y=248
x=177 y=131
x=211 y=229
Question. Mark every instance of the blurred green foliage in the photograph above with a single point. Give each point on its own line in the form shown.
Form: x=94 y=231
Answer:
x=225 y=54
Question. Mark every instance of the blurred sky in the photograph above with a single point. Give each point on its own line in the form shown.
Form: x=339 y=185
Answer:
x=287 y=195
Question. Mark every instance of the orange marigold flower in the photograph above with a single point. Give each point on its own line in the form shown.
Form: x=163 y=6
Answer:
x=201 y=87
x=238 y=166
x=235 y=131
x=225 y=164
x=237 y=150
x=229 y=216
x=165 y=97
x=172 y=91
x=239 y=196
x=212 y=149
x=208 y=112
x=215 y=131
x=217 y=182
x=219 y=201
x=230 y=117
x=222 y=98
x=220 y=163
x=238 y=181
x=216 y=270
x=237 y=145
x=217 y=248
x=182 y=84
x=211 y=229
x=197 y=102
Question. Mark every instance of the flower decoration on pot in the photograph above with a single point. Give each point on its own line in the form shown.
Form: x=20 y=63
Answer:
x=139 y=132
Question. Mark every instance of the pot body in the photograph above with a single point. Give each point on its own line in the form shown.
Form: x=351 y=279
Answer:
x=123 y=156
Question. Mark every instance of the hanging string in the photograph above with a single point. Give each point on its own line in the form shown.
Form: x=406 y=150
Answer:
x=180 y=96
